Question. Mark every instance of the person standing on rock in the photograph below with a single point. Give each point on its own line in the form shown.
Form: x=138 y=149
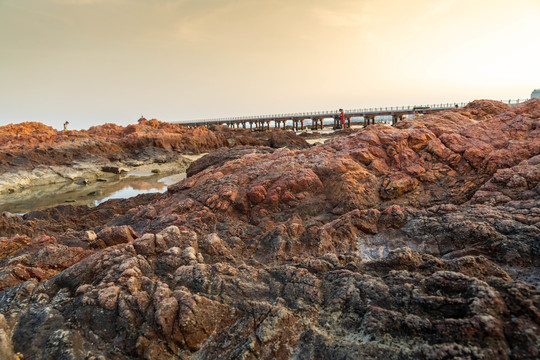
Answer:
x=341 y=119
x=65 y=125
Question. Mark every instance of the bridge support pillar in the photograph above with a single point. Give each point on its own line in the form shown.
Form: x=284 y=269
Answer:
x=244 y=124
x=368 y=120
x=397 y=118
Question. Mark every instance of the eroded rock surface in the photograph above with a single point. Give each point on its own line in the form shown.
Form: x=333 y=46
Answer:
x=407 y=242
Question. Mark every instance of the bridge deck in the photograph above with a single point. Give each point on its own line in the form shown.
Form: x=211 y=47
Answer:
x=369 y=114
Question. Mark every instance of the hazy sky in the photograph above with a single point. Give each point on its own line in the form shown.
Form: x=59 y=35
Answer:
x=97 y=61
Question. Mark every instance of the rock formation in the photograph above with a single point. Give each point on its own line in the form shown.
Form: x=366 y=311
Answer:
x=35 y=154
x=419 y=241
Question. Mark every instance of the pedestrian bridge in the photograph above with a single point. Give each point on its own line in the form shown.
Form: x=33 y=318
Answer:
x=315 y=120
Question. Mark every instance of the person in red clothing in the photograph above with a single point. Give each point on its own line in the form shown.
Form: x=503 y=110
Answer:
x=342 y=118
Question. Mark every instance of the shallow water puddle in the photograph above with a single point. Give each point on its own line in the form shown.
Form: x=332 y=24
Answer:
x=130 y=191
x=93 y=194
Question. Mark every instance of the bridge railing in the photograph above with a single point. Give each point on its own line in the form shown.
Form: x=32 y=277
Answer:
x=330 y=113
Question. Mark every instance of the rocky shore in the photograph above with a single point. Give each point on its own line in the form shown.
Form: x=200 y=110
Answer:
x=418 y=241
x=33 y=154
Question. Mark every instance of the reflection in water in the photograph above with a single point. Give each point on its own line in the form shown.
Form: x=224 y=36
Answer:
x=128 y=192
x=118 y=187
x=143 y=187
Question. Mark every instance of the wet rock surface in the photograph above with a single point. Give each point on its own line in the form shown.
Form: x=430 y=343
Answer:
x=407 y=242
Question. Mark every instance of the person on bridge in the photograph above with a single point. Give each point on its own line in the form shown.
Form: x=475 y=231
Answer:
x=341 y=119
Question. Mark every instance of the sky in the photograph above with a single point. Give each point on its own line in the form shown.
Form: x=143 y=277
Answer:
x=92 y=62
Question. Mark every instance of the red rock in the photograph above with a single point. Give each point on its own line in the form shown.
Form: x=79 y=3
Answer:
x=397 y=185
x=108 y=297
x=213 y=246
x=257 y=194
x=393 y=216
x=115 y=235
x=425 y=233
